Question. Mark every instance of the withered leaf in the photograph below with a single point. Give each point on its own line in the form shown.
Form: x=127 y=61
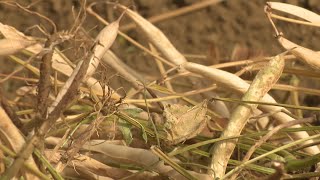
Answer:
x=184 y=122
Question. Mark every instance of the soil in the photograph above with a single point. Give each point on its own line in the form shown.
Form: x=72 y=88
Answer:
x=225 y=25
x=219 y=28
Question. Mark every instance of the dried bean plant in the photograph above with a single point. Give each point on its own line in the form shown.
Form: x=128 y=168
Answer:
x=69 y=122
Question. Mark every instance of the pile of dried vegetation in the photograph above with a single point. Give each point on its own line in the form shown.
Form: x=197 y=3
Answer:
x=66 y=121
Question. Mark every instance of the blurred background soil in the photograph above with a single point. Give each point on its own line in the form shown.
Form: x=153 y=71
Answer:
x=213 y=32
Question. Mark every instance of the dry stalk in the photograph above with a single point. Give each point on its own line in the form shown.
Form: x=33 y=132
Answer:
x=162 y=69
x=171 y=96
x=309 y=56
x=44 y=84
x=11 y=46
x=11 y=134
x=104 y=40
x=262 y=83
x=294 y=96
x=248 y=62
x=24 y=65
x=156 y=37
x=90 y=11
x=116 y=63
x=96 y=167
x=137 y=156
x=226 y=79
x=124 y=70
x=59 y=61
x=263 y=140
x=52 y=115
x=238 y=85
x=105 y=106
x=66 y=95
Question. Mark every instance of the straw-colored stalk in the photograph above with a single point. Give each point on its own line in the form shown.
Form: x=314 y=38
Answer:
x=11 y=134
x=60 y=63
x=128 y=155
x=238 y=85
x=222 y=78
x=11 y=46
x=157 y=38
x=262 y=83
x=309 y=56
x=100 y=170
x=104 y=40
x=124 y=70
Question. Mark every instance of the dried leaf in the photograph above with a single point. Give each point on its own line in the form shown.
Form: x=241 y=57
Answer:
x=183 y=122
